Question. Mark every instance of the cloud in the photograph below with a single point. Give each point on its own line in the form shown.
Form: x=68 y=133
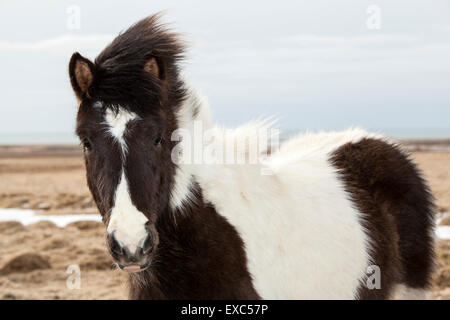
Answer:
x=315 y=54
x=314 y=40
x=64 y=44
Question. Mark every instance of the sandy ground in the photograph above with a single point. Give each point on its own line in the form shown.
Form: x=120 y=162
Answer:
x=48 y=179
x=34 y=259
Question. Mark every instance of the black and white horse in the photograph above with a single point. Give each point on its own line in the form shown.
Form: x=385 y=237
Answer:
x=341 y=215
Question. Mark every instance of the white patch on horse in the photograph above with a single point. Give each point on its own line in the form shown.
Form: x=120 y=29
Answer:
x=126 y=220
x=299 y=217
x=117 y=124
x=194 y=108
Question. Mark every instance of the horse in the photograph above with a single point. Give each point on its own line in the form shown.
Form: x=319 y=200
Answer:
x=326 y=215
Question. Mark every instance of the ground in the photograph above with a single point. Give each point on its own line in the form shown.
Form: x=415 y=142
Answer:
x=34 y=259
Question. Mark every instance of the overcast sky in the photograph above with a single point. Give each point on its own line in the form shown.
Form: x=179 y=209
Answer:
x=315 y=64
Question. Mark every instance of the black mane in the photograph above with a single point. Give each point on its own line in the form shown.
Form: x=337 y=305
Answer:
x=120 y=78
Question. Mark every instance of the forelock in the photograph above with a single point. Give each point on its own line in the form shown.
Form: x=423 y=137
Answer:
x=148 y=37
x=120 y=78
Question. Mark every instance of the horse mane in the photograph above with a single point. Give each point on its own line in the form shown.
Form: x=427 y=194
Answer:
x=120 y=78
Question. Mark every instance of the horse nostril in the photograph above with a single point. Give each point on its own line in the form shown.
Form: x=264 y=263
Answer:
x=147 y=244
x=114 y=245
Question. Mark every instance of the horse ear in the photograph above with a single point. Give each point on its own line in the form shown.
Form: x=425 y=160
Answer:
x=153 y=68
x=81 y=74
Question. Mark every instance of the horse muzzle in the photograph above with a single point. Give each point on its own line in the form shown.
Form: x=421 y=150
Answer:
x=134 y=259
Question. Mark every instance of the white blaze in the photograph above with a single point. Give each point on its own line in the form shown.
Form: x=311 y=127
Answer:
x=117 y=123
x=126 y=220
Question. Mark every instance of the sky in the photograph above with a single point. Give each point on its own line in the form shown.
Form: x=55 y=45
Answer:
x=317 y=65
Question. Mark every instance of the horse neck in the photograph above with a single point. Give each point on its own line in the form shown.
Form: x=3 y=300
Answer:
x=217 y=178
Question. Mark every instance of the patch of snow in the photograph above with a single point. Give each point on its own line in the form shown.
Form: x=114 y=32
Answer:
x=27 y=217
x=443 y=232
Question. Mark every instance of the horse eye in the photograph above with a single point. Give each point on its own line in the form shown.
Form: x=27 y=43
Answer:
x=158 y=141
x=86 y=144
